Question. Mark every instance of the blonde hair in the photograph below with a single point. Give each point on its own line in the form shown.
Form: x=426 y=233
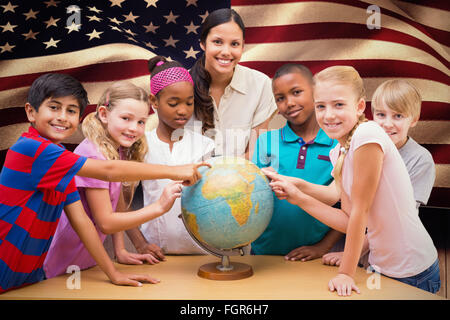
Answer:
x=97 y=132
x=343 y=75
x=398 y=95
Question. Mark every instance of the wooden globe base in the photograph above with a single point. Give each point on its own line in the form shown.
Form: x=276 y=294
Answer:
x=239 y=271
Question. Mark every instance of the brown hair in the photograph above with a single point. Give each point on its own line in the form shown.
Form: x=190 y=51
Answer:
x=204 y=108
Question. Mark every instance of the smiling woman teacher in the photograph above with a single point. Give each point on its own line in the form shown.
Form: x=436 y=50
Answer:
x=232 y=102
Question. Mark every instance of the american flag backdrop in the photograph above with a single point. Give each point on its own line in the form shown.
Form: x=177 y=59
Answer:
x=99 y=42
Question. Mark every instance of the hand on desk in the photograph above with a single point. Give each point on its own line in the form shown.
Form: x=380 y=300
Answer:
x=152 y=250
x=306 y=253
x=332 y=258
x=134 y=280
x=343 y=284
x=126 y=257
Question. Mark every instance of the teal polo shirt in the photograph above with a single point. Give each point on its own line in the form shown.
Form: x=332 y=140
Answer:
x=290 y=226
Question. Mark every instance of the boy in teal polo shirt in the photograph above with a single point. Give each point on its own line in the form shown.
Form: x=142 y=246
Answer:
x=299 y=149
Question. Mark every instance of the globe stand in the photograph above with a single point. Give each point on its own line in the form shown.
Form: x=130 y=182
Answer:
x=225 y=270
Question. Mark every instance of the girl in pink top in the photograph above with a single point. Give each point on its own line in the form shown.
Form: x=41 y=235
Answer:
x=373 y=185
x=114 y=131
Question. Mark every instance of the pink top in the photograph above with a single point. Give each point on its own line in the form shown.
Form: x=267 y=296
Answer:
x=66 y=248
x=399 y=244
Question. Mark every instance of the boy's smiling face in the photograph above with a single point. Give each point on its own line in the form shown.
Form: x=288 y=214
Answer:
x=294 y=98
x=395 y=124
x=56 y=119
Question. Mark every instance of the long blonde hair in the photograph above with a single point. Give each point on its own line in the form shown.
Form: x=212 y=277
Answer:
x=344 y=75
x=97 y=132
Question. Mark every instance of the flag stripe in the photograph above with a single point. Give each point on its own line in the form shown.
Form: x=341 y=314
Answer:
x=108 y=71
x=427 y=16
x=443 y=5
x=343 y=49
x=388 y=12
x=328 y=30
x=442 y=176
x=385 y=68
x=440 y=152
x=96 y=54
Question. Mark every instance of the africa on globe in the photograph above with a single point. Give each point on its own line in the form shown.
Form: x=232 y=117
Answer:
x=230 y=206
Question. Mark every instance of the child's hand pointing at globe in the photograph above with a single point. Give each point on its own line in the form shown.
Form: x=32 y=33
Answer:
x=283 y=188
x=188 y=173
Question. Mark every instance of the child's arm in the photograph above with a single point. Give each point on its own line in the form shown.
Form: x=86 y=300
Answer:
x=112 y=222
x=122 y=254
x=285 y=190
x=327 y=194
x=121 y=170
x=367 y=166
x=85 y=229
x=142 y=246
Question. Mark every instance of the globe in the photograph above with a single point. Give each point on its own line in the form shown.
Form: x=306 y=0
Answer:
x=230 y=206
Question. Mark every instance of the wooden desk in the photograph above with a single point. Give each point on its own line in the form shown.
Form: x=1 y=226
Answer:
x=273 y=279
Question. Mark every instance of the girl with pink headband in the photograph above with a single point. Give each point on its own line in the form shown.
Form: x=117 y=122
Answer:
x=172 y=97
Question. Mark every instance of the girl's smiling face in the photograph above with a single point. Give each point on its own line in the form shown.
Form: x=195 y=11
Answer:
x=337 y=109
x=125 y=122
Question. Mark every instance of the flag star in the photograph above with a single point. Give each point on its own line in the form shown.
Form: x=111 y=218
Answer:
x=116 y=3
x=130 y=17
x=171 y=18
x=9 y=7
x=94 y=18
x=8 y=27
x=151 y=3
x=115 y=28
x=115 y=20
x=170 y=42
x=7 y=47
x=30 y=35
x=94 y=34
x=30 y=14
x=130 y=32
x=73 y=27
x=191 y=28
x=204 y=16
x=51 y=22
x=73 y=8
x=169 y=59
x=94 y=9
x=148 y=44
x=52 y=3
x=132 y=39
x=51 y=43
x=191 y=2
x=191 y=53
x=150 y=28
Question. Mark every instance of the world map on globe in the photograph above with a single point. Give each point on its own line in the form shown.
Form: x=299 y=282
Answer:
x=230 y=206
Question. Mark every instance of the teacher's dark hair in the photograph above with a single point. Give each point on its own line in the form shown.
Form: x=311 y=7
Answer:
x=204 y=108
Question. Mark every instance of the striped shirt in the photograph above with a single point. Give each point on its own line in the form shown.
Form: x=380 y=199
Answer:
x=36 y=182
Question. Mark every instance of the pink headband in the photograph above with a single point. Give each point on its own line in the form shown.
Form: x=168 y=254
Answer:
x=168 y=76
